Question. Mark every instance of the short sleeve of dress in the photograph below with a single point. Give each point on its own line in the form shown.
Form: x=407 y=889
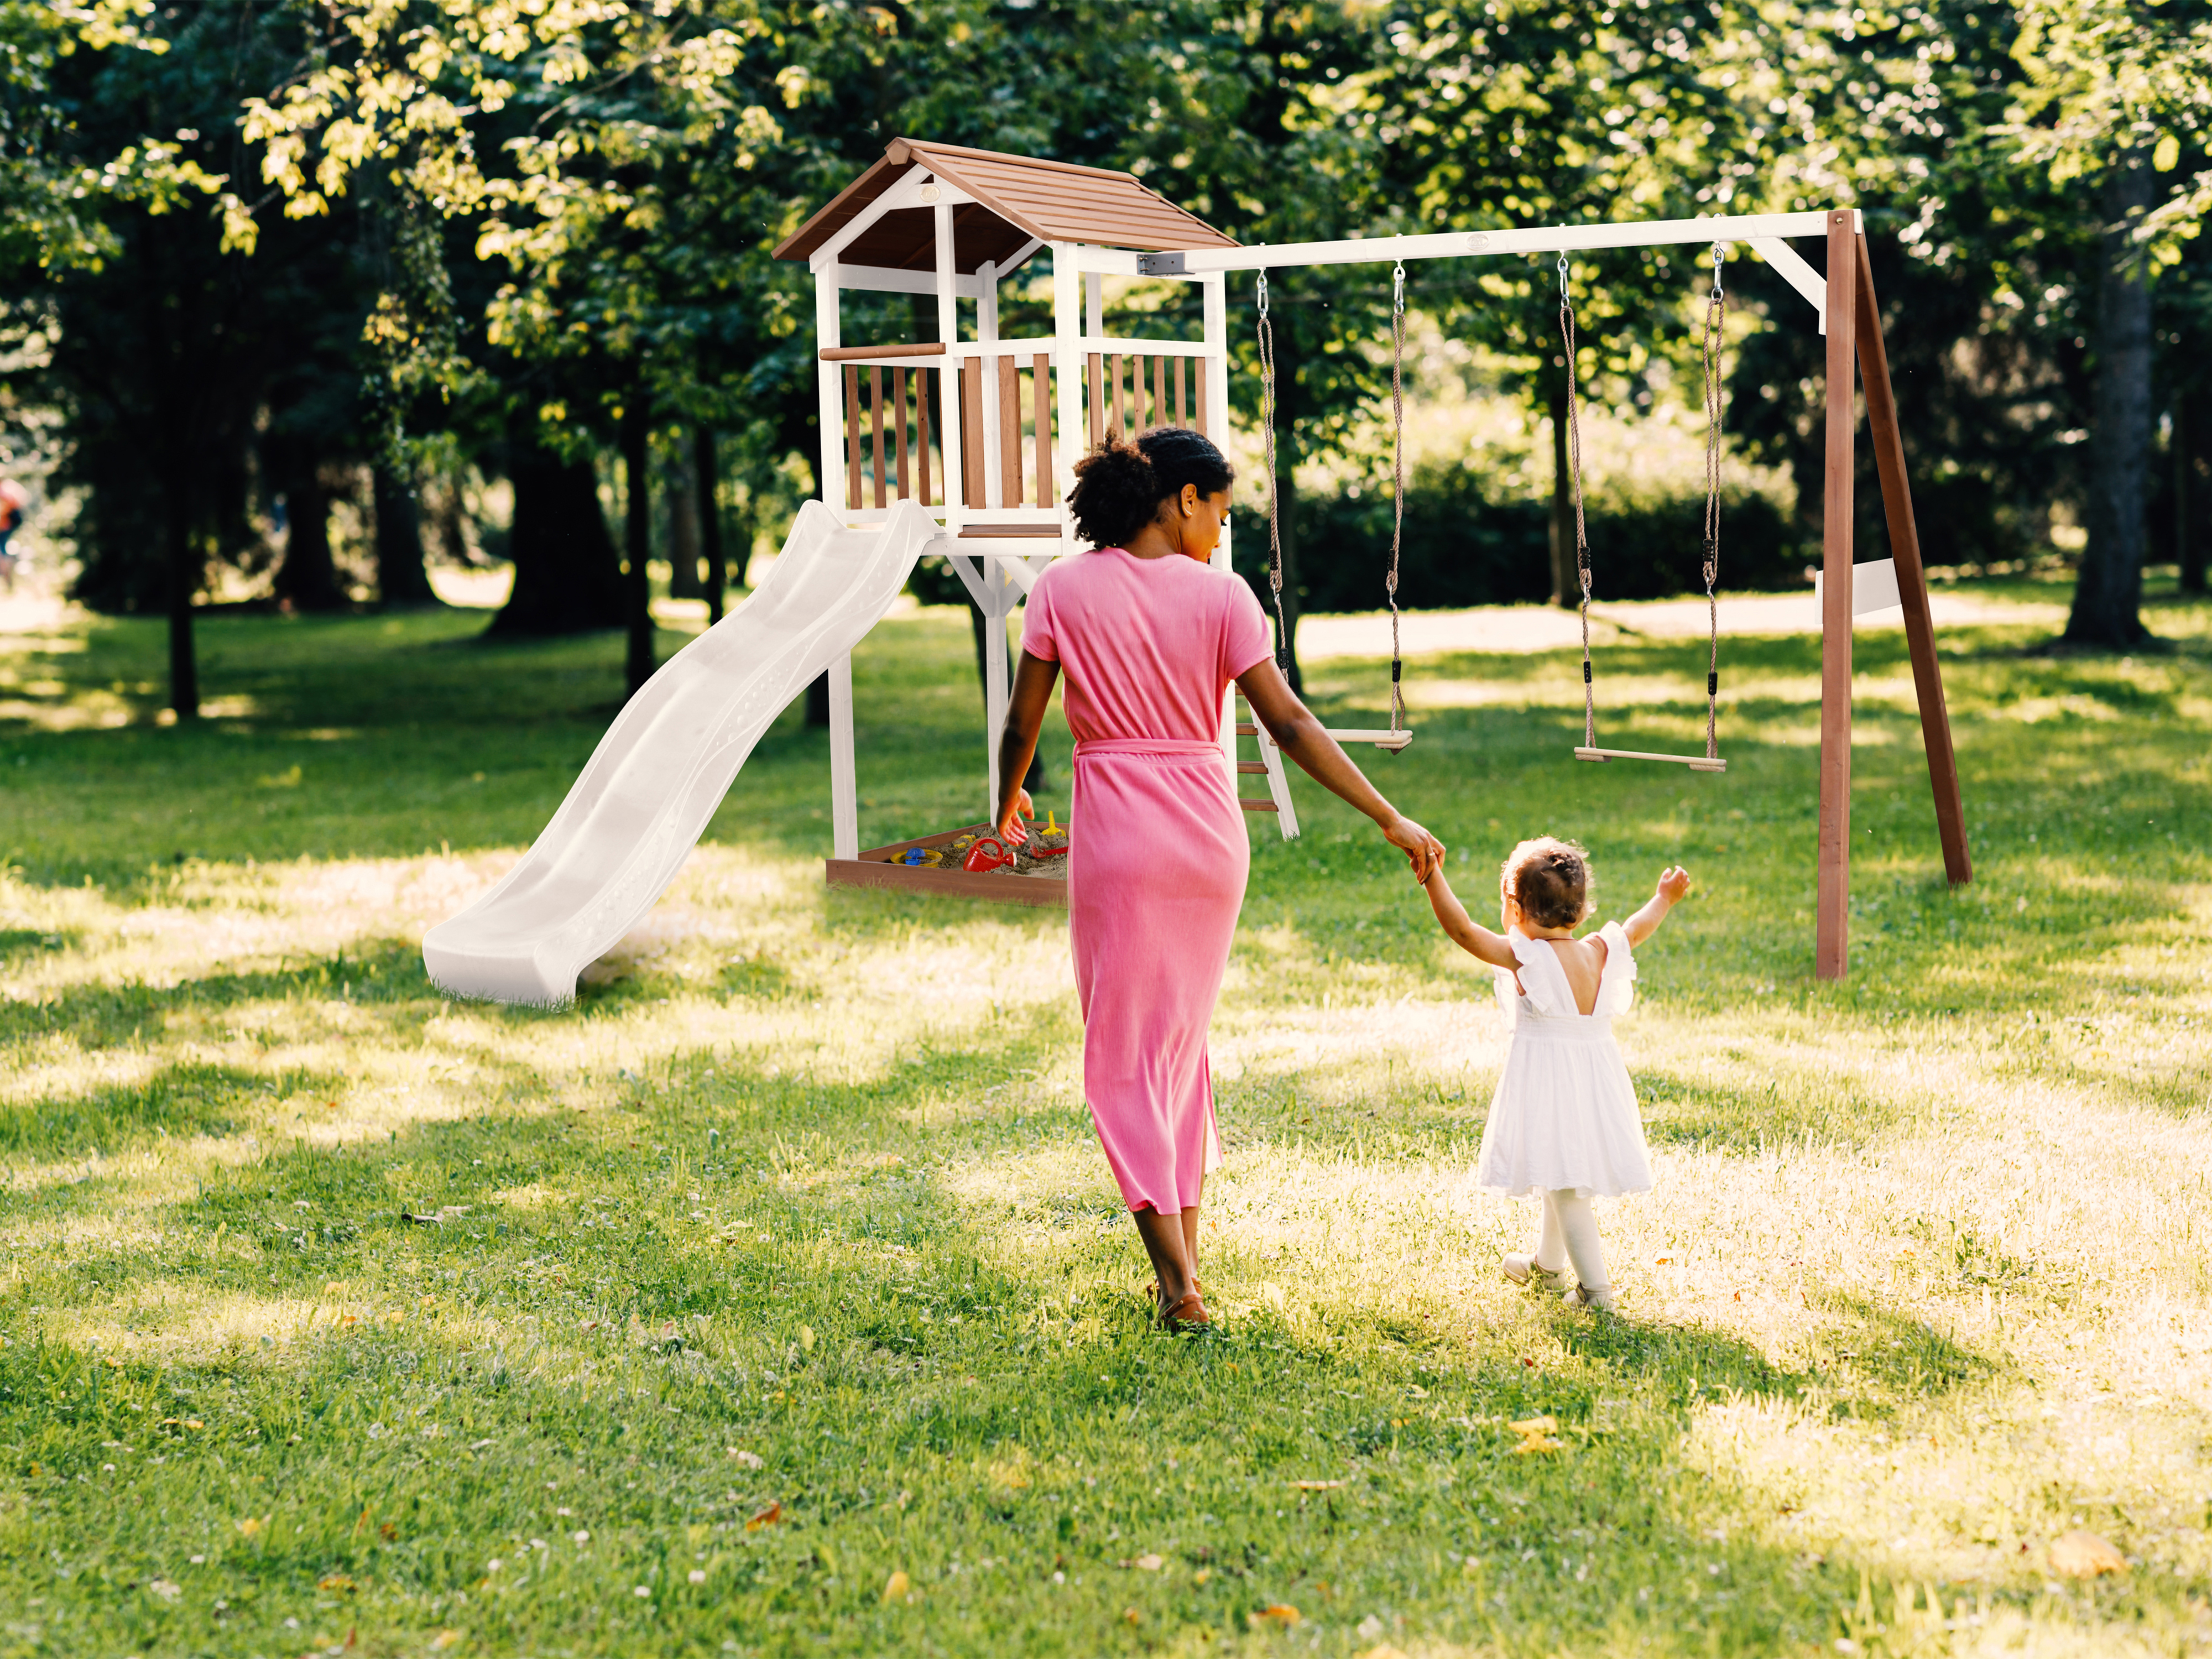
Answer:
x=1037 y=621
x=1244 y=638
x=1616 y=988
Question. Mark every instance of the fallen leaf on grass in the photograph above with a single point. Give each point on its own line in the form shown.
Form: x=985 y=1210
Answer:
x=896 y=1586
x=444 y=1639
x=1278 y=1613
x=337 y=1581
x=1143 y=1563
x=1315 y=1485
x=2084 y=1555
x=167 y=1588
x=252 y=1525
x=1536 y=1425
x=750 y=1459
x=767 y=1517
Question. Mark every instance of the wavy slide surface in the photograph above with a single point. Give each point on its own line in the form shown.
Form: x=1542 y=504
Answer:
x=664 y=766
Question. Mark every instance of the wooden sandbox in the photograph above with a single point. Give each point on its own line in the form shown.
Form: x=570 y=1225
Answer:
x=879 y=866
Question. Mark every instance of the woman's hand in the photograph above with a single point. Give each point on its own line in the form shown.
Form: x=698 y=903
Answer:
x=1422 y=850
x=1009 y=824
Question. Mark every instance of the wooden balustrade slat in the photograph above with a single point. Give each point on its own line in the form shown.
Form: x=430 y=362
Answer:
x=971 y=432
x=852 y=437
x=922 y=427
x=1120 y=424
x=1098 y=387
x=1010 y=431
x=1198 y=390
x=898 y=419
x=875 y=425
x=1159 y=391
x=1041 y=398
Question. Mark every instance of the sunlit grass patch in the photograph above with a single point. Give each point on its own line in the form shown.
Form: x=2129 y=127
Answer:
x=784 y=1268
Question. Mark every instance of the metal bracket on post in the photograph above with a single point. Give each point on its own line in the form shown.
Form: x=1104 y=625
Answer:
x=1169 y=264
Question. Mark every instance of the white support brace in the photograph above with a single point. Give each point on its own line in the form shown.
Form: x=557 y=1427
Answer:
x=1790 y=266
x=917 y=189
x=1067 y=370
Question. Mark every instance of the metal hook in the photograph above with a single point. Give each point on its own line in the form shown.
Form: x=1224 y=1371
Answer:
x=1398 y=289
x=1720 y=259
x=1263 y=293
x=1563 y=270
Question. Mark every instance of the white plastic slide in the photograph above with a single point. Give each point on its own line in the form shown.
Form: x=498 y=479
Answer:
x=631 y=818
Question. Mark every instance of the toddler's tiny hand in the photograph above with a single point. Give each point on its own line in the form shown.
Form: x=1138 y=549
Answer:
x=1673 y=882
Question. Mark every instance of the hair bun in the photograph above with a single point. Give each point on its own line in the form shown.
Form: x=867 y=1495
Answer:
x=1120 y=484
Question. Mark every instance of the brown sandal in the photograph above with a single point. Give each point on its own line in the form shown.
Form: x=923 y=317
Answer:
x=1189 y=1314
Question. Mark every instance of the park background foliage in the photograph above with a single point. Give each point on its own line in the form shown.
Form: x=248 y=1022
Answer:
x=295 y=296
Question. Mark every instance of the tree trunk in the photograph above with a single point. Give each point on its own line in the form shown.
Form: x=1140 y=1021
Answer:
x=401 y=578
x=707 y=475
x=2192 y=441
x=308 y=579
x=1286 y=502
x=683 y=495
x=185 y=572
x=637 y=503
x=567 y=579
x=1566 y=579
x=2108 y=593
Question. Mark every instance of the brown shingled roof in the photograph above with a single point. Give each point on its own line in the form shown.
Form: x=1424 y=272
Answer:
x=1017 y=198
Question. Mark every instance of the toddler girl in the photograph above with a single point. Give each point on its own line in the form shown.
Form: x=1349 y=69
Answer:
x=1564 y=1123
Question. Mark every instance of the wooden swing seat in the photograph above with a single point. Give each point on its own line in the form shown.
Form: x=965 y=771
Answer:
x=1392 y=741
x=1695 y=763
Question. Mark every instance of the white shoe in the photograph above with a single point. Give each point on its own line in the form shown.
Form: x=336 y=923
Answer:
x=1582 y=1297
x=1523 y=1268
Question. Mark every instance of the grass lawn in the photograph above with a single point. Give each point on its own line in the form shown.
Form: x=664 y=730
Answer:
x=776 y=1298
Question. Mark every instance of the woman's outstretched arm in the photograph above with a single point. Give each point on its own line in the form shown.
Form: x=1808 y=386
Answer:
x=1298 y=734
x=1025 y=710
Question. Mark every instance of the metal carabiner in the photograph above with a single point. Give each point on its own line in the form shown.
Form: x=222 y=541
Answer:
x=1263 y=294
x=1720 y=259
x=1398 y=289
x=1563 y=270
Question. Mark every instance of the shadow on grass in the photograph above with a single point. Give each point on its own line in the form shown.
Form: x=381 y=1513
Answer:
x=190 y=1098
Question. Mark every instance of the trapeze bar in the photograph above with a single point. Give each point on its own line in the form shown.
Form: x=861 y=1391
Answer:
x=1548 y=239
x=1695 y=763
x=1378 y=736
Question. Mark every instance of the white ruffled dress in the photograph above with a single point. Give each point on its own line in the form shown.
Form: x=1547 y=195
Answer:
x=1564 y=1114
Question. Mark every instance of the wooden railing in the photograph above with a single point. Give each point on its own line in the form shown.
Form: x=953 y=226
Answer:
x=890 y=398
x=1108 y=376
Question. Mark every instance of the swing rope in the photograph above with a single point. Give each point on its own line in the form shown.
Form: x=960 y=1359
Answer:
x=1575 y=476
x=1715 y=319
x=1274 y=520
x=1397 y=483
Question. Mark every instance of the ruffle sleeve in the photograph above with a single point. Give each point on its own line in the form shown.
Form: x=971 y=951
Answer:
x=1616 y=987
x=1543 y=981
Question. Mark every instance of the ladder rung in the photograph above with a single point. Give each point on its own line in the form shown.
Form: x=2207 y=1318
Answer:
x=1252 y=805
x=1695 y=763
x=1246 y=729
x=1251 y=766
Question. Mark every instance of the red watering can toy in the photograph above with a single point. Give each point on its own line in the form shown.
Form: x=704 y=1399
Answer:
x=987 y=854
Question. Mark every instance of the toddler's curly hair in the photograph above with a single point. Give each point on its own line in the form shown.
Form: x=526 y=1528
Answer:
x=1551 y=880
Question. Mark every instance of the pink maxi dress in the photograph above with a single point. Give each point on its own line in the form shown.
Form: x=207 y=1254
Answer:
x=1157 y=858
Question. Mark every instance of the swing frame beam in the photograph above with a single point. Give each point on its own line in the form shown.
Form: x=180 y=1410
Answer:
x=1857 y=360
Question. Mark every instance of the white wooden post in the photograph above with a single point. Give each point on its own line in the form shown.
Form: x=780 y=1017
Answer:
x=1067 y=365
x=987 y=334
x=948 y=379
x=1094 y=304
x=844 y=778
x=828 y=335
x=844 y=782
x=1002 y=591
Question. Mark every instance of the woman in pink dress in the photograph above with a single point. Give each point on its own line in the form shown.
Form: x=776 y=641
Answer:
x=1149 y=636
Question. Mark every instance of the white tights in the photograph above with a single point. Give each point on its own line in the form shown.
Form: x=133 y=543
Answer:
x=1570 y=1231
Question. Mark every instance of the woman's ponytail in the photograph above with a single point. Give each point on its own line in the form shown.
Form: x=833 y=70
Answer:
x=1118 y=485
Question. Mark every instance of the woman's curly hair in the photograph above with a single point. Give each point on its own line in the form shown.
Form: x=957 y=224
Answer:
x=1119 y=486
x=1550 y=880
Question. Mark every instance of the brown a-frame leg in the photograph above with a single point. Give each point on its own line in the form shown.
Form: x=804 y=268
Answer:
x=1855 y=343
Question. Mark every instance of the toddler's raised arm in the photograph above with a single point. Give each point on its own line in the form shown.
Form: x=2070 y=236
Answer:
x=1673 y=882
x=1470 y=935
